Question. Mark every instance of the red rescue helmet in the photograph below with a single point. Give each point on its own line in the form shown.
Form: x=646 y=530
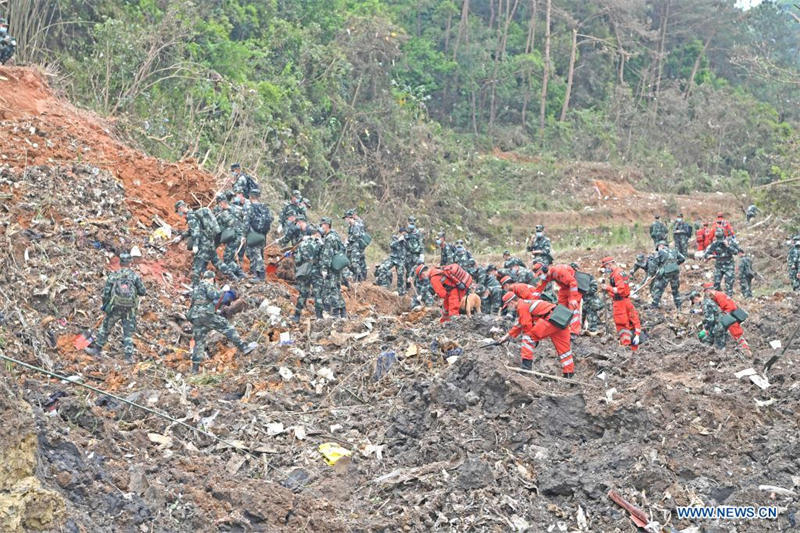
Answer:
x=508 y=298
x=419 y=270
x=505 y=279
x=707 y=285
x=606 y=260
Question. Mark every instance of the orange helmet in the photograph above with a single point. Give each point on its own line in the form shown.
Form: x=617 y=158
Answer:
x=505 y=279
x=606 y=260
x=419 y=269
x=508 y=298
x=708 y=285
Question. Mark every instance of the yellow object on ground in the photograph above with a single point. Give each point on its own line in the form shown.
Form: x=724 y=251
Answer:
x=332 y=452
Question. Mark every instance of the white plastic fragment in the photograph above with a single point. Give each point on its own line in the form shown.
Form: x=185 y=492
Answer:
x=274 y=428
x=776 y=344
x=286 y=373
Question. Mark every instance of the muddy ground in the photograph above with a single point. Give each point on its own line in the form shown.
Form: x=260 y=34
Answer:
x=450 y=438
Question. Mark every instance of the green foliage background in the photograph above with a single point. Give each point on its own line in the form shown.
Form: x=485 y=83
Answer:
x=399 y=103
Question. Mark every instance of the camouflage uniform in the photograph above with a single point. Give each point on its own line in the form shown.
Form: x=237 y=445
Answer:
x=509 y=261
x=641 y=264
x=658 y=231
x=205 y=240
x=204 y=318
x=257 y=219
x=669 y=259
x=245 y=185
x=681 y=232
x=592 y=304
x=229 y=220
x=746 y=275
x=541 y=243
x=712 y=323
x=413 y=250
x=312 y=285
x=383 y=274
x=751 y=212
x=447 y=252
x=118 y=313
x=793 y=260
x=355 y=249
x=293 y=234
x=332 y=280
x=724 y=251
x=397 y=259
x=523 y=275
x=464 y=259
x=492 y=303
x=424 y=295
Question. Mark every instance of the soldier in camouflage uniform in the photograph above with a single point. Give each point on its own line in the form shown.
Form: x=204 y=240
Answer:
x=120 y=304
x=229 y=224
x=295 y=230
x=712 y=315
x=383 y=274
x=658 y=231
x=424 y=295
x=793 y=261
x=520 y=274
x=746 y=275
x=243 y=183
x=681 y=232
x=397 y=258
x=257 y=223
x=332 y=279
x=464 y=258
x=414 y=251
x=509 y=260
x=204 y=318
x=723 y=250
x=641 y=263
x=310 y=284
x=203 y=239
x=492 y=299
x=446 y=250
x=665 y=270
x=592 y=302
x=293 y=207
x=540 y=247
x=356 y=244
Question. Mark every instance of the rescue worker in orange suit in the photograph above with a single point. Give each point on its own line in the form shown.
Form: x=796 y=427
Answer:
x=715 y=304
x=522 y=290
x=626 y=319
x=534 y=326
x=568 y=295
x=450 y=283
x=724 y=224
x=701 y=236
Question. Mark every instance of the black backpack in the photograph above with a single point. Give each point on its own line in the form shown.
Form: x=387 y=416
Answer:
x=252 y=186
x=261 y=218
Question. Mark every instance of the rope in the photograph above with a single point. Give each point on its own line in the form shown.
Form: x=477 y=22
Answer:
x=123 y=400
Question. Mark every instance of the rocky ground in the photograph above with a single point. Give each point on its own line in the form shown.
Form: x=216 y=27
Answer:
x=447 y=438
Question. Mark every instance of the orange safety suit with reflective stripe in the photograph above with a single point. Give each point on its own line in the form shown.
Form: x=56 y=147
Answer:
x=446 y=288
x=533 y=325
x=568 y=295
x=726 y=305
x=626 y=319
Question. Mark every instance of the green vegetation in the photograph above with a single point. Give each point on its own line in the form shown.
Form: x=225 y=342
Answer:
x=396 y=102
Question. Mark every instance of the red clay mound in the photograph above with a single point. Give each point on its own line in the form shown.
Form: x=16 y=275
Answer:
x=39 y=128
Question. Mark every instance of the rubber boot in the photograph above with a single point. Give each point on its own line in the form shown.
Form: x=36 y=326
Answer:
x=527 y=364
x=95 y=351
x=567 y=375
x=343 y=312
x=261 y=275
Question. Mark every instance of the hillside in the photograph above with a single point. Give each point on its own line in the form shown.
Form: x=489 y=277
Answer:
x=458 y=444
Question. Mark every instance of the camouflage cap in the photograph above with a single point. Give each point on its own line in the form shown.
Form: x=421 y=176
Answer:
x=221 y=197
x=506 y=252
x=325 y=220
x=235 y=166
x=490 y=267
x=296 y=194
x=208 y=274
x=312 y=229
x=179 y=204
x=539 y=227
x=349 y=213
x=412 y=219
x=403 y=230
x=125 y=258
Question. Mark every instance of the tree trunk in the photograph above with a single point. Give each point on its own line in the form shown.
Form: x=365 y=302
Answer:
x=447 y=27
x=499 y=55
x=573 y=53
x=546 y=76
x=463 y=27
x=696 y=65
x=531 y=29
x=474 y=114
x=660 y=63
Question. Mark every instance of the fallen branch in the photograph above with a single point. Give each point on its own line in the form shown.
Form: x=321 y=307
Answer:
x=549 y=376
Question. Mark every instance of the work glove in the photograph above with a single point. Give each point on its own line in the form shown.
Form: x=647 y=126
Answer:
x=461 y=286
x=573 y=304
x=195 y=249
x=635 y=341
x=176 y=240
x=421 y=258
x=288 y=254
x=324 y=274
x=504 y=339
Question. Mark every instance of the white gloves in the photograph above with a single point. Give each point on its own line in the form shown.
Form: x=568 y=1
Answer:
x=636 y=340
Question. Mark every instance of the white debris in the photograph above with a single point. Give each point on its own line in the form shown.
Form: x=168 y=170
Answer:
x=136 y=252
x=286 y=374
x=325 y=373
x=776 y=344
x=610 y=394
x=744 y=373
x=274 y=428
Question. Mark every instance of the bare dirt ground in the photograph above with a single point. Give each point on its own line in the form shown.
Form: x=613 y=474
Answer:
x=466 y=445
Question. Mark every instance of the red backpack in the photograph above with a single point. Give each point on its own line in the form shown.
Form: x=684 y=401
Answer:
x=458 y=274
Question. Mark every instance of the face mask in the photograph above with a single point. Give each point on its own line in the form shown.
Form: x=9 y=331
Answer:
x=439 y=242
x=539 y=233
x=543 y=277
x=679 y=219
